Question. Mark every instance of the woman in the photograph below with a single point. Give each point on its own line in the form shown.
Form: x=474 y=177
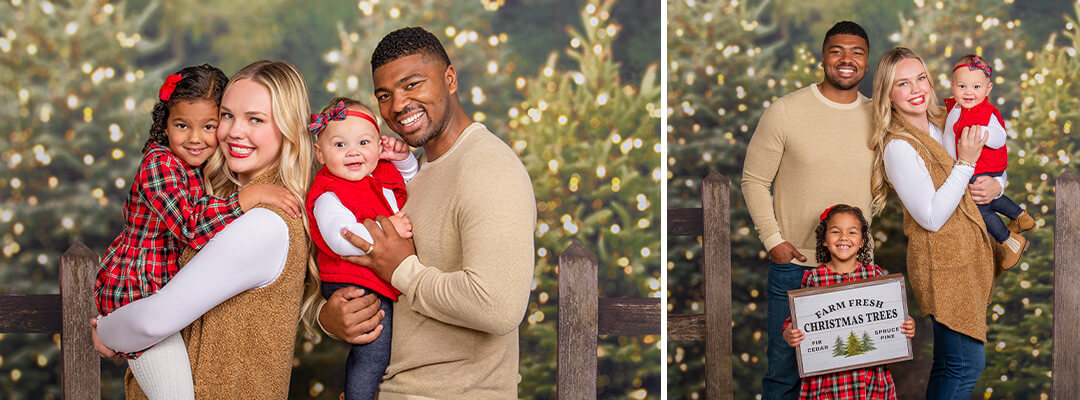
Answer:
x=242 y=293
x=940 y=217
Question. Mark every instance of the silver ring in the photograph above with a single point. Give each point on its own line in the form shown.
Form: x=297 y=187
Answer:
x=370 y=249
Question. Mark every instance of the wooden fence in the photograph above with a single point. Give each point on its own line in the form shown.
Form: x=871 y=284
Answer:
x=583 y=314
x=68 y=314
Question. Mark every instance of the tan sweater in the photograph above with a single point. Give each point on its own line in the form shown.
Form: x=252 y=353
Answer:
x=243 y=348
x=465 y=293
x=952 y=270
x=812 y=153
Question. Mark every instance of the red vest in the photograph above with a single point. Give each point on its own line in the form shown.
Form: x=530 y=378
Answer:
x=364 y=198
x=991 y=160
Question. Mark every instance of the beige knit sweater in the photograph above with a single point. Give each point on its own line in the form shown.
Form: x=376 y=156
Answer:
x=812 y=153
x=952 y=270
x=243 y=348
x=467 y=289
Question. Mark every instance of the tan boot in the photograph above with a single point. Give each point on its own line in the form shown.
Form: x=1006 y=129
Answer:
x=1009 y=252
x=1022 y=223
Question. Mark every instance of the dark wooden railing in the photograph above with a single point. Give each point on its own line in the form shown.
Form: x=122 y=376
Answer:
x=1066 y=349
x=583 y=314
x=68 y=314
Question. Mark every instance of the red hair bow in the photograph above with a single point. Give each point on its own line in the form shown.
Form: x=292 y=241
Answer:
x=826 y=213
x=976 y=63
x=167 y=88
x=336 y=113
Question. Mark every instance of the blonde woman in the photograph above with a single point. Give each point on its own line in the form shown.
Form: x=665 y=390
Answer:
x=950 y=259
x=242 y=293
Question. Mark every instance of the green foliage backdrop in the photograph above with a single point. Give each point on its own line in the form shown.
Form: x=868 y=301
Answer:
x=579 y=103
x=728 y=60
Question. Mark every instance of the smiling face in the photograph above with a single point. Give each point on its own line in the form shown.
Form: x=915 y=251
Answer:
x=414 y=94
x=970 y=88
x=844 y=59
x=910 y=89
x=843 y=237
x=349 y=148
x=252 y=140
x=192 y=129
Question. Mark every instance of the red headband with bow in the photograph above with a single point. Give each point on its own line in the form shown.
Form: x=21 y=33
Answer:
x=976 y=64
x=336 y=113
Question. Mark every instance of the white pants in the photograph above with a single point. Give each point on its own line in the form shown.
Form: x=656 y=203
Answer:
x=164 y=370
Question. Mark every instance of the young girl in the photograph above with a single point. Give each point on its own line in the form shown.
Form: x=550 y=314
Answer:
x=355 y=184
x=169 y=209
x=843 y=249
x=970 y=87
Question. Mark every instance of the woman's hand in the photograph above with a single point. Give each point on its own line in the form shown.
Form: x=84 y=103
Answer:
x=908 y=327
x=101 y=348
x=985 y=189
x=972 y=140
x=273 y=195
x=351 y=317
x=793 y=336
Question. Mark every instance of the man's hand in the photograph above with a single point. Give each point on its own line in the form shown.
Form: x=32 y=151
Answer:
x=351 y=317
x=100 y=347
x=388 y=252
x=784 y=252
x=985 y=189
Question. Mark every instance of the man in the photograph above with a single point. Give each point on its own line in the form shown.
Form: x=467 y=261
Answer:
x=465 y=286
x=812 y=148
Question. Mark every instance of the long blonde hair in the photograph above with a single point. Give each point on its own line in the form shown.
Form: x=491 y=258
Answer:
x=296 y=163
x=886 y=121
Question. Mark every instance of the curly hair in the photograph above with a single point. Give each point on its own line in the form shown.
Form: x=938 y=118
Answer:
x=846 y=28
x=406 y=42
x=865 y=254
x=199 y=82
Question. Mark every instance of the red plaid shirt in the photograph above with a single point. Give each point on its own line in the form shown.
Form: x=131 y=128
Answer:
x=865 y=383
x=166 y=210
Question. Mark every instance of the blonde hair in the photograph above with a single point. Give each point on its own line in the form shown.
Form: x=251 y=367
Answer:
x=887 y=122
x=296 y=163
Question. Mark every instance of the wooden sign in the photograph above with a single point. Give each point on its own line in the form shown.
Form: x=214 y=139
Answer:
x=850 y=325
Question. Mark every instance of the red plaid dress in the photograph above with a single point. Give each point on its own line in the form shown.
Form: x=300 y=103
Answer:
x=166 y=210
x=865 y=383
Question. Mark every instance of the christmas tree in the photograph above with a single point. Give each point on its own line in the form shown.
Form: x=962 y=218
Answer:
x=1042 y=146
x=74 y=116
x=838 y=348
x=723 y=70
x=590 y=144
x=729 y=60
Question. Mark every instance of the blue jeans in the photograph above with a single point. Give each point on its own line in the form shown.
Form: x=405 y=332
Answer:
x=366 y=363
x=1002 y=205
x=781 y=382
x=958 y=362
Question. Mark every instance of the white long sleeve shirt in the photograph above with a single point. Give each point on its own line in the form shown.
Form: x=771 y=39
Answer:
x=930 y=207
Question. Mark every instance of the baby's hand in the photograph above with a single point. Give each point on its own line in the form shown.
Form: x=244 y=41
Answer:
x=908 y=327
x=273 y=195
x=401 y=224
x=793 y=336
x=393 y=149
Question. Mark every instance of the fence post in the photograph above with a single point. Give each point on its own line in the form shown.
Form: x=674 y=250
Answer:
x=716 y=263
x=577 y=333
x=1066 y=353
x=81 y=364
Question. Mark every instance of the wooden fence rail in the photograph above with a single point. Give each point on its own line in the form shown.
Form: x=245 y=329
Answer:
x=68 y=314
x=583 y=314
x=1066 y=349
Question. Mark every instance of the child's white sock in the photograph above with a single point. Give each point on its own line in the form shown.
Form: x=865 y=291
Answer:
x=164 y=370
